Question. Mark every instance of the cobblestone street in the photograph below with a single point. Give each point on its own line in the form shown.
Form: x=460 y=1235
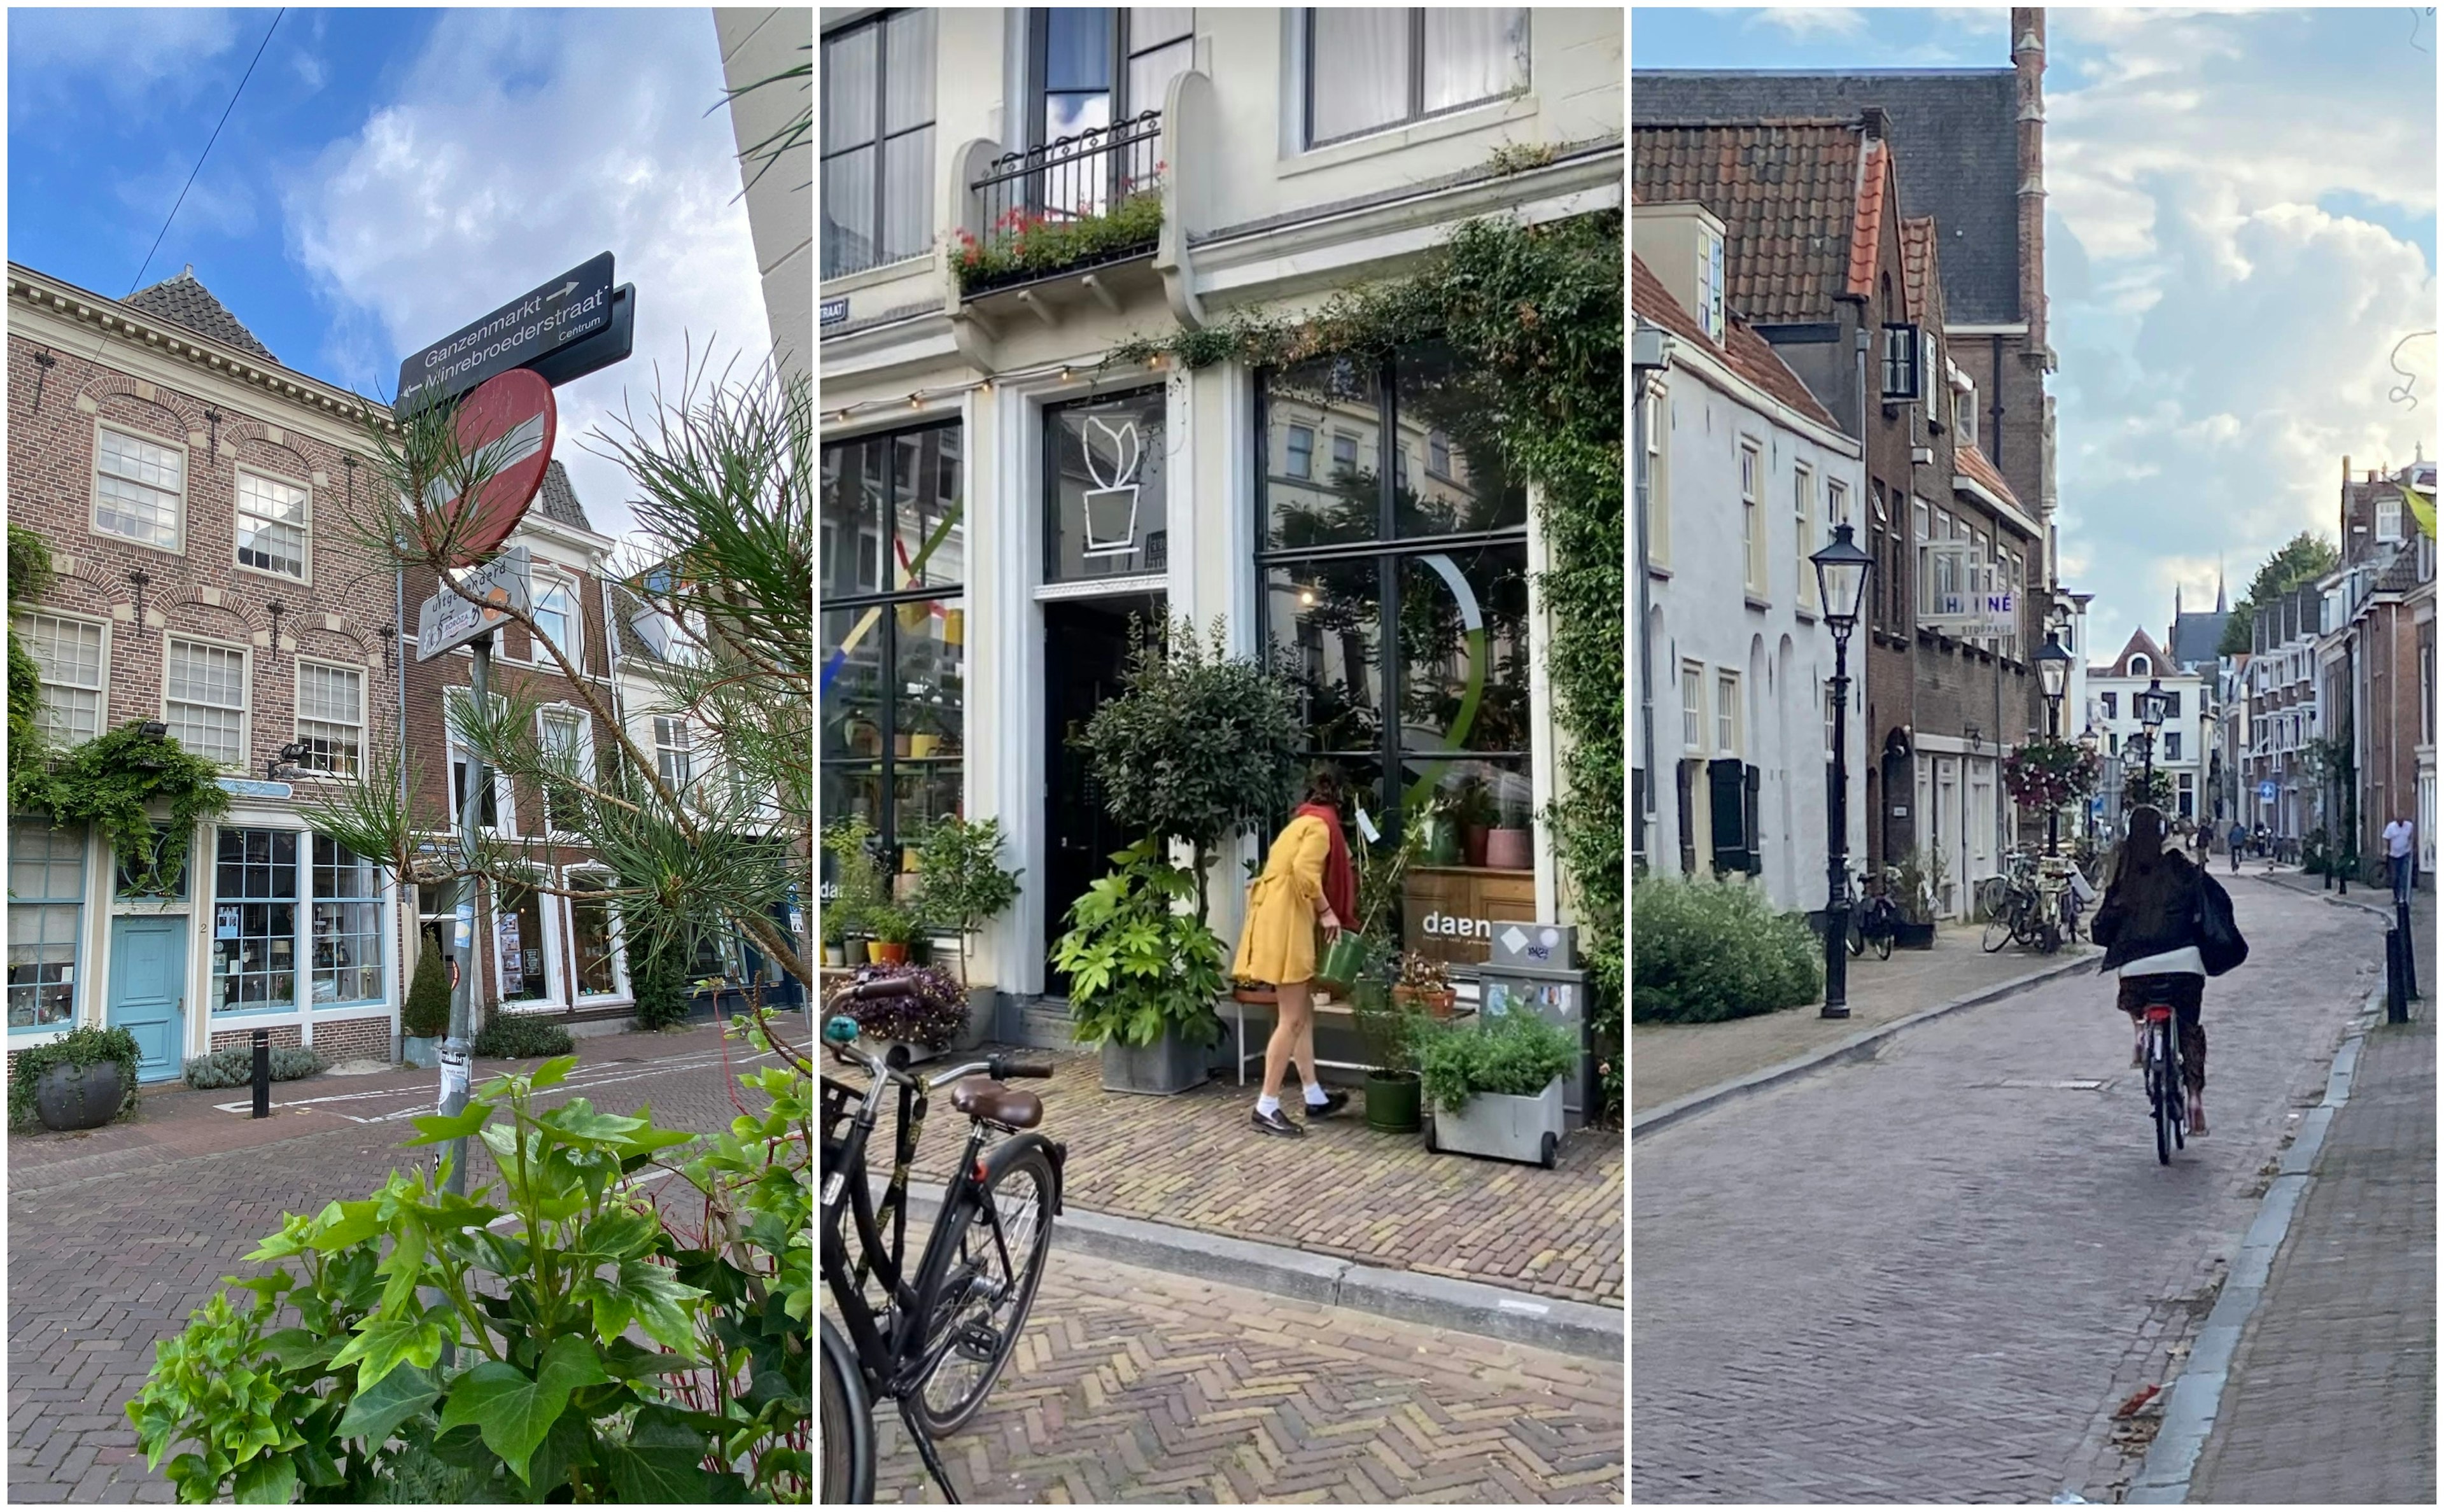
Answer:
x=1933 y=1275
x=1139 y=1384
x=113 y=1241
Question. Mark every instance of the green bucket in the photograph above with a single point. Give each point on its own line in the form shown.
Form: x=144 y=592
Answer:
x=1343 y=963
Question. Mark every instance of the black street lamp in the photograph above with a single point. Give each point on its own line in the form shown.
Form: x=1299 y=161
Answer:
x=1842 y=571
x=2151 y=719
x=2053 y=675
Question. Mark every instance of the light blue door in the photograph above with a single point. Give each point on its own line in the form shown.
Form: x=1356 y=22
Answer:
x=148 y=991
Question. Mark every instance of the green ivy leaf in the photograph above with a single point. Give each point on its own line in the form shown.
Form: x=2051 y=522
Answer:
x=384 y=1342
x=512 y=1411
x=619 y=1234
x=434 y=1129
x=645 y=1294
x=342 y=1224
x=668 y=1475
x=404 y=1264
x=552 y=1072
x=298 y=1348
x=272 y=1479
x=377 y=1409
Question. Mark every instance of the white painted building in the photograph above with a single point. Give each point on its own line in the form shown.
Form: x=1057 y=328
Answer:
x=1746 y=473
x=997 y=499
x=2181 y=744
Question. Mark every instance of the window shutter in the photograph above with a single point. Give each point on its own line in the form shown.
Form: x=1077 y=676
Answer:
x=1638 y=815
x=1754 y=780
x=1686 y=776
x=1728 y=792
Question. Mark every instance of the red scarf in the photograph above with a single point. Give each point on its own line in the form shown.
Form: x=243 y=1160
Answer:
x=1340 y=878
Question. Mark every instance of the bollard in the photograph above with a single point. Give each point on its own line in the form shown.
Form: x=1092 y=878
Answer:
x=2396 y=1000
x=263 y=1073
x=2409 y=946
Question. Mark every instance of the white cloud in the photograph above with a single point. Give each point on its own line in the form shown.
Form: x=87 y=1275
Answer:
x=220 y=200
x=520 y=143
x=1805 y=23
x=140 y=61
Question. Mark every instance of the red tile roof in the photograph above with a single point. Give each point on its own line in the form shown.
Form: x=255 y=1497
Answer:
x=1744 y=353
x=1972 y=462
x=1793 y=197
x=1917 y=265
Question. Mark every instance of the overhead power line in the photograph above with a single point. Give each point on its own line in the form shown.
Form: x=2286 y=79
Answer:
x=208 y=150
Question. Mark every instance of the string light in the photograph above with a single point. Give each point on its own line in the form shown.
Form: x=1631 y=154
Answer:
x=916 y=399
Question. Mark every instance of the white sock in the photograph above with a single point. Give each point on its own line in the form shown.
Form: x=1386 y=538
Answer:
x=1315 y=1097
x=1268 y=1106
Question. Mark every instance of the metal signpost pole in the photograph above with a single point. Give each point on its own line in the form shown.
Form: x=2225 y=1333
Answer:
x=456 y=1060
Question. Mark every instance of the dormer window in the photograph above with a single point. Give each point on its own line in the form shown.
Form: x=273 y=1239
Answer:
x=1903 y=369
x=2139 y=667
x=1709 y=286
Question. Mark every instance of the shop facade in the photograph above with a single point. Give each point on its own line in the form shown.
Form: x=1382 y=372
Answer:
x=185 y=482
x=1003 y=508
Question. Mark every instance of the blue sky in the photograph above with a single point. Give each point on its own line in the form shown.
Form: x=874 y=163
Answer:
x=389 y=175
x=2240 y=228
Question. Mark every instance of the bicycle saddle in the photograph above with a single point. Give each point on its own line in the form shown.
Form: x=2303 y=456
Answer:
x=995 y=1103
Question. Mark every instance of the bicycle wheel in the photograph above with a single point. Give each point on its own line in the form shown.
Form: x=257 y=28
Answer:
x=847 y=1427
x=2162 y=1092
x=980 y=1302
x=1858 y=932
x=1993 y=897
x=2002 y=924
x=1884 y=941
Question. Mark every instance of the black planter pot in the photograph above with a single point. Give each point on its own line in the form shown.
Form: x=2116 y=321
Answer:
x=1914 y=937
x=1391 y=1103
x=78 y=1096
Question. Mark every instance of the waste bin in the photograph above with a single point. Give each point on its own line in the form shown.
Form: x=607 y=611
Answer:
x=1534 y=969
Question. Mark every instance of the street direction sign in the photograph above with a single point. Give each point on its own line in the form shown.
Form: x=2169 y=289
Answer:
x=614 y=344
x=2266 y=792
x=449 y=621
x=508 y=425
x=562 y=313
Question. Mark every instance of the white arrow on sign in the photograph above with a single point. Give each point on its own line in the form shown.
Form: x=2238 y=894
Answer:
x=566 y=289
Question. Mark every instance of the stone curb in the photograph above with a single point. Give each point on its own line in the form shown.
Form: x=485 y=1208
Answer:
x=2196 y=1393
x=1582 y=1329
x=1861 y=1043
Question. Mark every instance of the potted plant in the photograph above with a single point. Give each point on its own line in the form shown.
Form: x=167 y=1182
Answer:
x=1390 y=1029
x=1496 y=1086
x=1916 y=884
x=963 y=887
x=856 y=885
x=835 y=936
x=425 y=1017
x=1473 y=808
x=1511 y=845
x=891 y=929
x=1425 y=983
x=82 y=1079
x=1144 y=975
x=926 y=1024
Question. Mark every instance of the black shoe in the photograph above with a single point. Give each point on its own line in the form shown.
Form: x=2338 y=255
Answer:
x=1333 y=1103
x=1275 y=1123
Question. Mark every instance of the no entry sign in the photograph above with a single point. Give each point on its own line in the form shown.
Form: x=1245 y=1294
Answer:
x=508 y=424
x=574 y=308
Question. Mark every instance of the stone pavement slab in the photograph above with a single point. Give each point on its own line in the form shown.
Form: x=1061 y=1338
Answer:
x=1668 y=1061
x=2332 y=1396
x=1932 y=1276
x=1194 y=1161
x=1133 y=1385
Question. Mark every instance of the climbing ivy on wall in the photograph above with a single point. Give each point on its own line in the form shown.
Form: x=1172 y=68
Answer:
x=1535 y=313
x=111 y=782
x=29 y=574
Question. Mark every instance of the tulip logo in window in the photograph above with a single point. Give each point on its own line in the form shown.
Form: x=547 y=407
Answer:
x=1112 y=508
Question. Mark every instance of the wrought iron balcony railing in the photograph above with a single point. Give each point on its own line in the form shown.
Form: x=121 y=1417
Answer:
x=1072 y=204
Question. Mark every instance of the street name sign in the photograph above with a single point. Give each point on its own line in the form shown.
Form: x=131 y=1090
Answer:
x=449 y=621
x=569 y=309
x=251 y=787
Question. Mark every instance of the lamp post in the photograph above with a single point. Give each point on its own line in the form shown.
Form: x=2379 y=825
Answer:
x=2151 y=719
x=1842 y=571
x=2088 y=742
x=2053 y=674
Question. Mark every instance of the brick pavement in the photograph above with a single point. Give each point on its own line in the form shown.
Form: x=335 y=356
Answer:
x=1931 y=1276
x=1344 y=1191
x=2332 y=1391
x=108 y=1252
x=1671 y=1061
x=1133 y=1385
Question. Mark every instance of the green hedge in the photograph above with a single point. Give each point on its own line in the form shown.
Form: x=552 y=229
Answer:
x=1704 y=951
x=234 y=1066
x=515 y=1037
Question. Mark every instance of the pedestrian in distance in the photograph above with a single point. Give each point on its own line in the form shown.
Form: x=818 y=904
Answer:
x=2238 y=840
x=2159 y=913
x=1307 y=888
x=2398 y=836
x=2201 y=839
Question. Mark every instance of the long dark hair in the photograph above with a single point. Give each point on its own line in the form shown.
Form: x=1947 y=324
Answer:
x=2144 y=852
x=1324 y=786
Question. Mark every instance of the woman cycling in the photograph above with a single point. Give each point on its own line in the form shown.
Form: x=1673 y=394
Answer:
x=2151 y=928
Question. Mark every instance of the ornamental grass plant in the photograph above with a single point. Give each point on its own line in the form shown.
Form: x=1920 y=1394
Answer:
x=1704 y=951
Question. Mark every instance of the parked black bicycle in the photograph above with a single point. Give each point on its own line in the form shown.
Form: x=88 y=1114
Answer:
x=933 y=1340
x=2165 y=1094
x=1874 y=920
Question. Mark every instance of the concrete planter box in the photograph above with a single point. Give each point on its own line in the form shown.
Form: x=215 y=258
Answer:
x=1505 y=1128
x=1170 y=1065
x=417 y=1050
x=984 y=1017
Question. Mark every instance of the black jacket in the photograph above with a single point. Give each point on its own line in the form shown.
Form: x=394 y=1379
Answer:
x=2144 y=915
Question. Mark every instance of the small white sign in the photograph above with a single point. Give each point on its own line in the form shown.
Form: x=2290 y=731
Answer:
x=1514 y=939
x=1366 y=826
x=449 y=621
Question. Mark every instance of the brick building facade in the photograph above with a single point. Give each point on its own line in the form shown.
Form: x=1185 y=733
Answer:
x=185 y=483
x=539 y=952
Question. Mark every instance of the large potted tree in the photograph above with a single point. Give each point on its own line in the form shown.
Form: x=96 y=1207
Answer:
x=1198 y=746
x=962 y=887
x=425 y=1017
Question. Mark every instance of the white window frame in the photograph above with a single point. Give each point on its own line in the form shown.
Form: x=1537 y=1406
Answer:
x=308 y=895
x=186 y=480
x=1304 y=49
x=246 y=693
x=555 y=983
x=101 y=689
x=237 y=514
x=878 y=144
x=504 y=790
x=687 y=730
x=1803 y=515
x=1692 y=706
x=2388 y=519
x=576 y=876
x=364 y=712
x=547 y=580
x=585 y=748
x=1729 y=736
x=1751 y=508
x=1658 y=477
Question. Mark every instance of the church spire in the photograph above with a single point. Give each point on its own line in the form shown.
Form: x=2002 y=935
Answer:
x=2219 y=604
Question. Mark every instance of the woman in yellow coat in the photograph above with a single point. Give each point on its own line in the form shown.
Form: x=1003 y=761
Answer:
x=1307 y=881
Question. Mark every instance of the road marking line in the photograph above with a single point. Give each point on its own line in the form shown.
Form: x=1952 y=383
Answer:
x=576 y=1083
